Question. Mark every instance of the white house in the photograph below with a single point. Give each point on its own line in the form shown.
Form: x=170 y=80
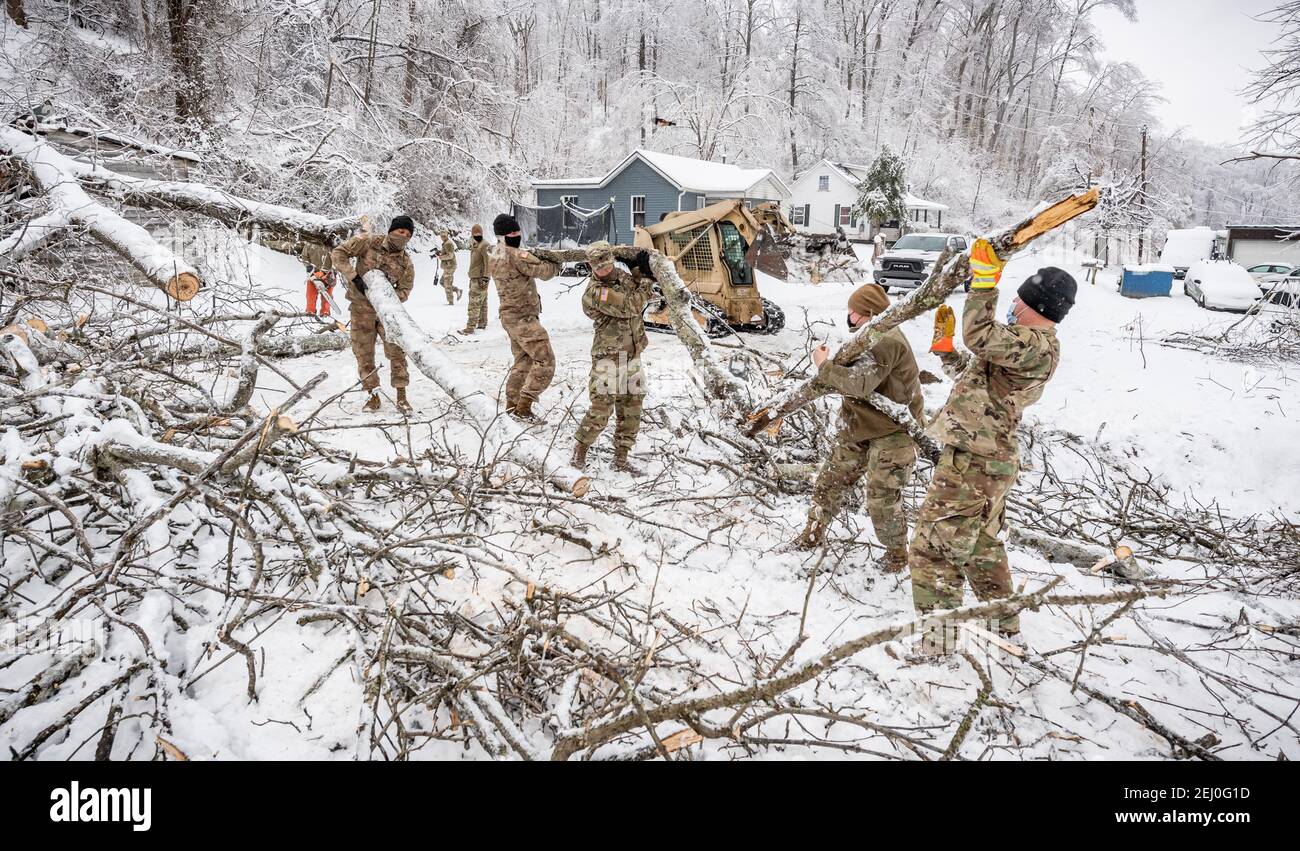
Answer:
x=823 y=197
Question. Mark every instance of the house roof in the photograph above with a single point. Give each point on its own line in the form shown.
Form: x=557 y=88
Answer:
x=855 y=173
x=685 y=173
x=93 y=133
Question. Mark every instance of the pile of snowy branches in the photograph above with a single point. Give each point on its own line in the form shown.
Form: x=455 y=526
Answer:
x=147 y=491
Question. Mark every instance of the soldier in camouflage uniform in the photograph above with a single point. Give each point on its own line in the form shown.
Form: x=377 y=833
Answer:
x=614 y=301
x=388 y=255
x=868 y=441
x=478 y=282
x=514 y=269
x=958 y=531
x=447 y=258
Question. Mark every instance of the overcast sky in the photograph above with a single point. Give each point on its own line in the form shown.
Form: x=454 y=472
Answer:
x=1201 y=53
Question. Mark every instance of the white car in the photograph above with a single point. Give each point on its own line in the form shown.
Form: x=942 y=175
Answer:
x=1266 y=280
x=1266 y=271
x=1221 y=285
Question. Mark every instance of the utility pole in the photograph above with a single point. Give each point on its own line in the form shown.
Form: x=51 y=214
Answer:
x=1142 y=196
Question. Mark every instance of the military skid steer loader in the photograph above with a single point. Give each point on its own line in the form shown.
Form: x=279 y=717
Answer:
x=716 y=250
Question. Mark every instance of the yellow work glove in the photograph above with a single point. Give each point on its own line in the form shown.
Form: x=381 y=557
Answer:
x=985 y=267
x=945 y=325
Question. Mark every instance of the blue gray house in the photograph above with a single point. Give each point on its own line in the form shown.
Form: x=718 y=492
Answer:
x=647 y=184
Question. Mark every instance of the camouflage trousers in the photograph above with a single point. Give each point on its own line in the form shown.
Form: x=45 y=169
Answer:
x=478 y=303
x=449 y=283
x=957 y=533
x=618 y=387
x=534 y=365
x=887 y=462
x=363 y=327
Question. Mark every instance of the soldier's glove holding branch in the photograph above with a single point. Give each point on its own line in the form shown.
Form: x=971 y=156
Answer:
x=642 y=264
x=985 y=267
x=359 y=284
x=945 y=326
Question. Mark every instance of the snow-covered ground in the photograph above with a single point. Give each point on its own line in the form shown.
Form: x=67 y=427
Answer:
x=1211 y=429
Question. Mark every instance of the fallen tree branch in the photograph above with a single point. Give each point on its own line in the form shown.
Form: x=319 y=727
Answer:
x=763 y=689
x=518 y=444
x=57 y=175
x=950 y=271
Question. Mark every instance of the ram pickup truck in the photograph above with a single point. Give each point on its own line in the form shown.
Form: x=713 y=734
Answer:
x=907 y=264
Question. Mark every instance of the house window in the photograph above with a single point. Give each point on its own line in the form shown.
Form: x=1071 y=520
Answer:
x=846 y=216
x=824 y=183
x=569 y=199
x=701 y=202
x=638 y=211
x=796 y=216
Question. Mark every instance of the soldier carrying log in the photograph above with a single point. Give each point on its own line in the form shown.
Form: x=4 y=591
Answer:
x=614 y=301
x=957 y=535
x=867 y=440
x=388 y=255
x=514 y=271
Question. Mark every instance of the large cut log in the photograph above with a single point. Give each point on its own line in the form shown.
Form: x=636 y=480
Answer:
x=183 y=195
x=521 y=448
x=717 y=378
x=950 y=271
x=57 y=176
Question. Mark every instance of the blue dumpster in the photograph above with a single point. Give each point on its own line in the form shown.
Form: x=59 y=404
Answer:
x=1146 y=281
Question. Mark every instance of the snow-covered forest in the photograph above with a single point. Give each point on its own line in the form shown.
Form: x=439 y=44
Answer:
x=209 y=550
x=445 y=109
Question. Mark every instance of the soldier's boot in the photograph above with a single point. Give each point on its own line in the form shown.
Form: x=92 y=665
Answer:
x=468 y=329
x=523 y=411
x=895 y=560
x=403 y=405
x=623 y=465
x=579 y=459
x=812 y=535
x=372 y=404
x=459 y=293
x=932 y=646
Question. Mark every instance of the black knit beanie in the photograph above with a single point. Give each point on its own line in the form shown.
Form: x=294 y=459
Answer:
x=402 y=222
x=504 y=224
x=1051 y=292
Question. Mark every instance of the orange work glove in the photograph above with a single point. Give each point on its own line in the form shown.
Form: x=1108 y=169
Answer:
x=945 y=325
x=985 y=267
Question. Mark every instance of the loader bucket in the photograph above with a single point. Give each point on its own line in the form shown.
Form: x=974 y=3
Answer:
x=765 y=256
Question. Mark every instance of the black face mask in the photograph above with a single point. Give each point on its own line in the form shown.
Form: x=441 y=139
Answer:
x=848 y=320
x=514 y=241
x=478 y=238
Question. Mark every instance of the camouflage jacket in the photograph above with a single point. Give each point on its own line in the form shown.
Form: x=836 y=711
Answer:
x=615 y=304
x=371 y=251
x=315 y=255
x=478 y=259
x=447 y=255
x=889 y=369
x=1012 y=364
x=514 y=269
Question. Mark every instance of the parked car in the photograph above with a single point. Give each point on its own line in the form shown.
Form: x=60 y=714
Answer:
x=908 y=263
x=1268 y=279
x=1263 y=270
x=1221 y=285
